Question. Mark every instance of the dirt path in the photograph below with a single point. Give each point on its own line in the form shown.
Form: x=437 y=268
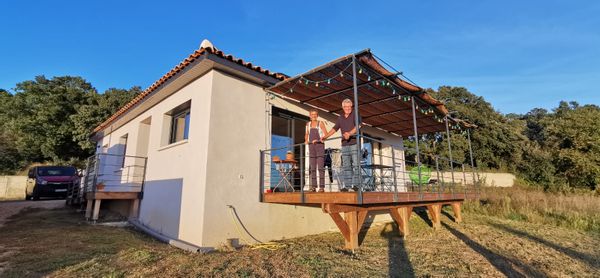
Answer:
x=10 y=208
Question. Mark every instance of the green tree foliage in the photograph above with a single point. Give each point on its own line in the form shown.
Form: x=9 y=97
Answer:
x=47 y=120
x=9 y=155
x=99 y=108
x=40 y=119
x=497 y=142
x=573 y=139
x=558 y=149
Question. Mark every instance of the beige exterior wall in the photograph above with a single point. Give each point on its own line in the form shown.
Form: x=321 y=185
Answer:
x=190 y=185
x=238 y=130
x=175 y=174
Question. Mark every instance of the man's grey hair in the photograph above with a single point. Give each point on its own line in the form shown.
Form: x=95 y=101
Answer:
x=345 y=101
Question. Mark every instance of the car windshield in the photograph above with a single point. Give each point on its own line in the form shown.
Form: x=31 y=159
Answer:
x=56 y=171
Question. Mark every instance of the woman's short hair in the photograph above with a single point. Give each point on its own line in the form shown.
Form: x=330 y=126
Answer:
x=313 y=110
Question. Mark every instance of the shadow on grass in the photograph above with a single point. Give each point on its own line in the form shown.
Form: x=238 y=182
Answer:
x=362 y=233
x=422 y=212
x=398 y=260
x=510 y=267
x=447 y=214
x=593 y=261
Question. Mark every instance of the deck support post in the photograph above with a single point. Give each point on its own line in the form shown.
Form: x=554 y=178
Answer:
x=358 y=137
x=456 y=210
x=402 y=215
x=351 y=218
x=88 y=209
x=350 y=226
x=435 y=211
x=134 y=209
x=96 y=209
x=355 y=215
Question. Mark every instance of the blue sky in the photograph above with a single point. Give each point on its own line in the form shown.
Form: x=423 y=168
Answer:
x=517 y=54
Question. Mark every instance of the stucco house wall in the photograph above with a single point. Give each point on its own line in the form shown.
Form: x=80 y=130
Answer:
x=192 y=185
x=239 y=128
x=175 y=174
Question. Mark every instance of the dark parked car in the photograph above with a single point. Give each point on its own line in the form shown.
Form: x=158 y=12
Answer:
x=50 y=181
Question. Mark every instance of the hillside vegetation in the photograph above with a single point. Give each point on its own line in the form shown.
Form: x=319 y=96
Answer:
x=50 y=120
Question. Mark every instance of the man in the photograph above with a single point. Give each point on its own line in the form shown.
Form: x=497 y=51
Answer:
x=347 y=124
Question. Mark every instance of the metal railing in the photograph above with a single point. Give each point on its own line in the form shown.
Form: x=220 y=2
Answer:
x=387 y=168
x=115 y=173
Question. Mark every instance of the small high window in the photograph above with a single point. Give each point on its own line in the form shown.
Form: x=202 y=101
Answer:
x=180 y=123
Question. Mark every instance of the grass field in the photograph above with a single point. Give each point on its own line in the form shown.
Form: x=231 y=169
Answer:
x=59 y=243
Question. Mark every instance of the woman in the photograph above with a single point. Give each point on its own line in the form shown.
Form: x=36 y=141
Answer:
x=315 y=130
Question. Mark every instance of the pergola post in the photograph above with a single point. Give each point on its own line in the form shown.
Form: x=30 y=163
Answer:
x=302 y=173
x=416 y=135
x=471 y=154
x=394 y=174
x=358 y=137
x=450 y=152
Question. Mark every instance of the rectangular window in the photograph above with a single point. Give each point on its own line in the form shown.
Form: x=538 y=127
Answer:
x=123 y=147
x=180 y=123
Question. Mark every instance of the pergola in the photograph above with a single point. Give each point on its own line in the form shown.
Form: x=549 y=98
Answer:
x=386 y=100
x=382 y=98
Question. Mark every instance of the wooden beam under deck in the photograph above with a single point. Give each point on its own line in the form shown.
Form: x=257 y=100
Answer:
x=399 y=206
x=94 y=199
x=107 y=195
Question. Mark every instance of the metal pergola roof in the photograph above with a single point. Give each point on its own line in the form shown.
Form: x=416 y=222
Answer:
x=384 y=98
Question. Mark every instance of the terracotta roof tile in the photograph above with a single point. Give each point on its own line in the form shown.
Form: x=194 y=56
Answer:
x=178 y=68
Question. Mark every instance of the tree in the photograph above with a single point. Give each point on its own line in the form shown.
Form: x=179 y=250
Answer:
x=99 y=108
x=40 y=116
x=573 y=137
x=498 y=140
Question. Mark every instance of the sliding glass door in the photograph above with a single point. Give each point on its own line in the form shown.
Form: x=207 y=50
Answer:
x=287 y=130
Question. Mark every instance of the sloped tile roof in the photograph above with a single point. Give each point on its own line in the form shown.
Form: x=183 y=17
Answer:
x=173 y=72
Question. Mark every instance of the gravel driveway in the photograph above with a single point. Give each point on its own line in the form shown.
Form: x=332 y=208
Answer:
x=9 y=208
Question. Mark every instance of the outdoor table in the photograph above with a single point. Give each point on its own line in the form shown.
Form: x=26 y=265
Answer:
x=378 y=175
x=285 y=168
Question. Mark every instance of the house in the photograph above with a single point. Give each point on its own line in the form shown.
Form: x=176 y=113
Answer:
x=186 y=156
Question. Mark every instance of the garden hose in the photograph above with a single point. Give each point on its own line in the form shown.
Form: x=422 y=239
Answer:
x=260 y=245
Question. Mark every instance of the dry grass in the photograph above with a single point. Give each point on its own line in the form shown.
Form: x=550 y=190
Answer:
x=573 y=210
x=59 y=243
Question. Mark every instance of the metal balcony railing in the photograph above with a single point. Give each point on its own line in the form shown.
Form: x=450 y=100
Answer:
x=115 y=173
x=388 y=168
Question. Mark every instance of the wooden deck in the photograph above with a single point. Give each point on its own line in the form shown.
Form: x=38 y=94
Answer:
x=368 y=197
x=399 y=205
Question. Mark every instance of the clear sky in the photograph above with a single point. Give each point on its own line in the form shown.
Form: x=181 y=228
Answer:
x=517 y=54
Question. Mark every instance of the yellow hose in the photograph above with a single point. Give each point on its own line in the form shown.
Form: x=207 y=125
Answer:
x=260 y=245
